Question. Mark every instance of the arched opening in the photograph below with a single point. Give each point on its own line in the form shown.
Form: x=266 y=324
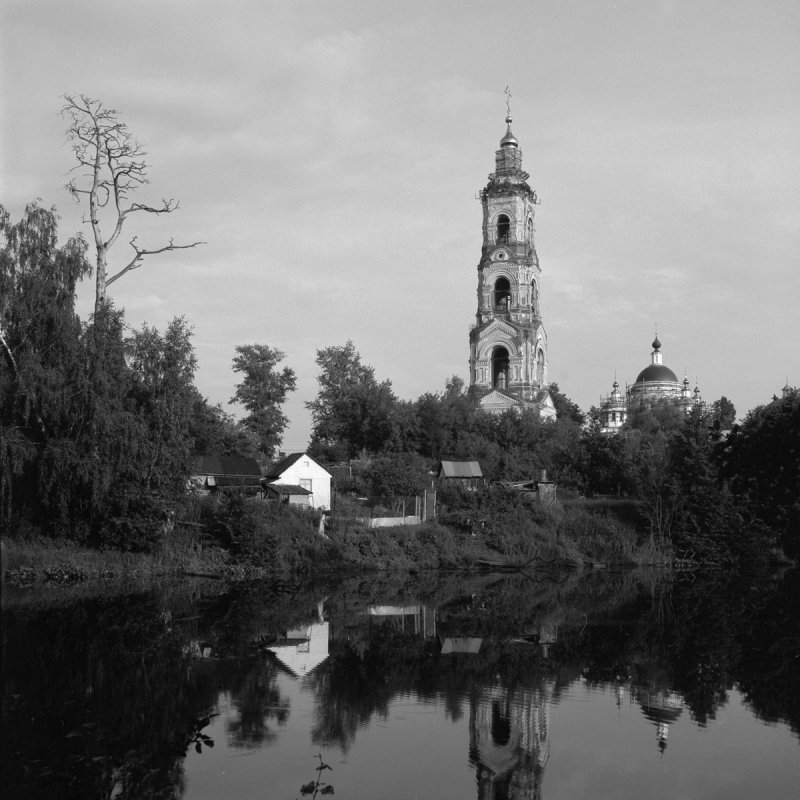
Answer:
x=529 y=231
x=502 y=294
x=503 y=228
x=540 y=367
x=534 y=296
x=500 y=367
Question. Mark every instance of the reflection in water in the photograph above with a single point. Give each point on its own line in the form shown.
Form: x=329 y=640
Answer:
x=509 y=740
x=124 y=697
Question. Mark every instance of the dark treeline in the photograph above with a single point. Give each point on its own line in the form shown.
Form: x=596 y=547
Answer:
x=98 y=423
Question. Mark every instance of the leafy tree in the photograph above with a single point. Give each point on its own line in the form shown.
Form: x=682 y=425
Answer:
x=564 y=406
x=761 y=462
x=162 y=372
x=352 y=411
x=397 y=475
x=263 y=392
x=111 y=167
x=723 y=414
x=214 y=431
x=43 y=377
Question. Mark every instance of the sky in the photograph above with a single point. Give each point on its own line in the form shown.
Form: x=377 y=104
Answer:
x=330 y=155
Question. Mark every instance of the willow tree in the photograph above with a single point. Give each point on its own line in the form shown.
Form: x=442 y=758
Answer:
x=111 y=167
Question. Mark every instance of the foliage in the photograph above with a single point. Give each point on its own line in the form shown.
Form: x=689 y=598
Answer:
x=761 y=462
x=352 y=411
x=95 y=429
x=262 y=392
x=397 y=475
x=565 y=408
x=723 y=414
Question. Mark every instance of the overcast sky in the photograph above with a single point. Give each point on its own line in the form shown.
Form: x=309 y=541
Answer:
x=330 y=154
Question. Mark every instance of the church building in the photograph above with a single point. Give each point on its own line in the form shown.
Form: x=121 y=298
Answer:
x=655 y=382
x=508 y=343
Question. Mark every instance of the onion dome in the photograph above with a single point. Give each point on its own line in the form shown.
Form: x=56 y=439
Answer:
x=656 y=344
x=509 y=140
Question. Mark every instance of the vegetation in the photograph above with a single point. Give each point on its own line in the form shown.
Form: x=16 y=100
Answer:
x=98 y=424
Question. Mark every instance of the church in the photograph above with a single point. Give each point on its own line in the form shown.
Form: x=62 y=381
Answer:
x=655 y=382
x=508 y=343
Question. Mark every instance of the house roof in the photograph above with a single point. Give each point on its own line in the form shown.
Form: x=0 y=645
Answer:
x=228 y=466
x=222 y=481
x=277 y=469
x=286 y=488
x=460 y=469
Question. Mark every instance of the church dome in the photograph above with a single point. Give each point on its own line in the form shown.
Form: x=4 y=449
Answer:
x=657 y=372
x=509 y=140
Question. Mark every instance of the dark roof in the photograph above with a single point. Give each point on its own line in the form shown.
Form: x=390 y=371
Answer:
x=286 y=488
x=234 y=480
x=276 y=470
x=229 y=466
x=460 y=469
x=656 y=372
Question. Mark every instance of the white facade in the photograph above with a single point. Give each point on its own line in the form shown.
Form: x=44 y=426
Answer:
x=303 y=471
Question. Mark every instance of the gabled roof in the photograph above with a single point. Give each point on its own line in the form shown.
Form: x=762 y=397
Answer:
x=276 y=470
x=226 y=466
x=460 y=469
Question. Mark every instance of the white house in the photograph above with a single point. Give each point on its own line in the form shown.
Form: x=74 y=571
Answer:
x=300 y=470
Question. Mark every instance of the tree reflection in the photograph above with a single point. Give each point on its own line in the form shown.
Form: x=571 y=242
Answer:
x=258 y=702
x=104 y=697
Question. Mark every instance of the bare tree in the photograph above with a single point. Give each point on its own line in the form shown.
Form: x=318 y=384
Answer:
x=111 y=167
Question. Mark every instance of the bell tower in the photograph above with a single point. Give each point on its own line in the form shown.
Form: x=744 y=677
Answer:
x=508 y=343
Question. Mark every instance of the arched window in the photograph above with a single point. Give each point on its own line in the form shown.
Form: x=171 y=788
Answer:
x=502 y=294
x=530 y=231
x=503 y=227
x=534 y=296
x=500 y=367
x=540 y=367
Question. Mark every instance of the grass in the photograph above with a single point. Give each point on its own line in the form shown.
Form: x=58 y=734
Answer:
x=268 y=539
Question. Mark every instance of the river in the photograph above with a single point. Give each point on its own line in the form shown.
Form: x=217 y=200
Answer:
x=537 y=685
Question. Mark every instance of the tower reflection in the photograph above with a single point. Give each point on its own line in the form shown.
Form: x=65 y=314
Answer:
x=509 y=740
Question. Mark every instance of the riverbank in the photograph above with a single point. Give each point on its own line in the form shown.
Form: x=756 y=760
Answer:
x=266 y=541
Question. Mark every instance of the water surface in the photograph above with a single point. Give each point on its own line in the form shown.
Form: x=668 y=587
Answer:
x=446 y=686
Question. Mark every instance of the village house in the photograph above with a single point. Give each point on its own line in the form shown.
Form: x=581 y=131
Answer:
x=299 y=480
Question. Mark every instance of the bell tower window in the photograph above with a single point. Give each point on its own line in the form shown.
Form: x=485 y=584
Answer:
x=503 y=228
x=500 y=367
x=502 y=294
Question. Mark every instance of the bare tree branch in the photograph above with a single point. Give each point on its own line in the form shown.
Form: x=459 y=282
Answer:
x=111 y=165
x=136 y=261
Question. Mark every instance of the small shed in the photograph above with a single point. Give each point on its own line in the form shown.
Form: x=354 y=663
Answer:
x=466 y=473
x=214 y=473
x=299 y=470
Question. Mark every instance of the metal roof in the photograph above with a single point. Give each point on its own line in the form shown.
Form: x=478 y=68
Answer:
x=460 y=469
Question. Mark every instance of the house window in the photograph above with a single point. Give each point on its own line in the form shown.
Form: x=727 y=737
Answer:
x=305 y=483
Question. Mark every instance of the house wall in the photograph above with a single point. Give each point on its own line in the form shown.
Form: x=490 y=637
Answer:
x=304 y=469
